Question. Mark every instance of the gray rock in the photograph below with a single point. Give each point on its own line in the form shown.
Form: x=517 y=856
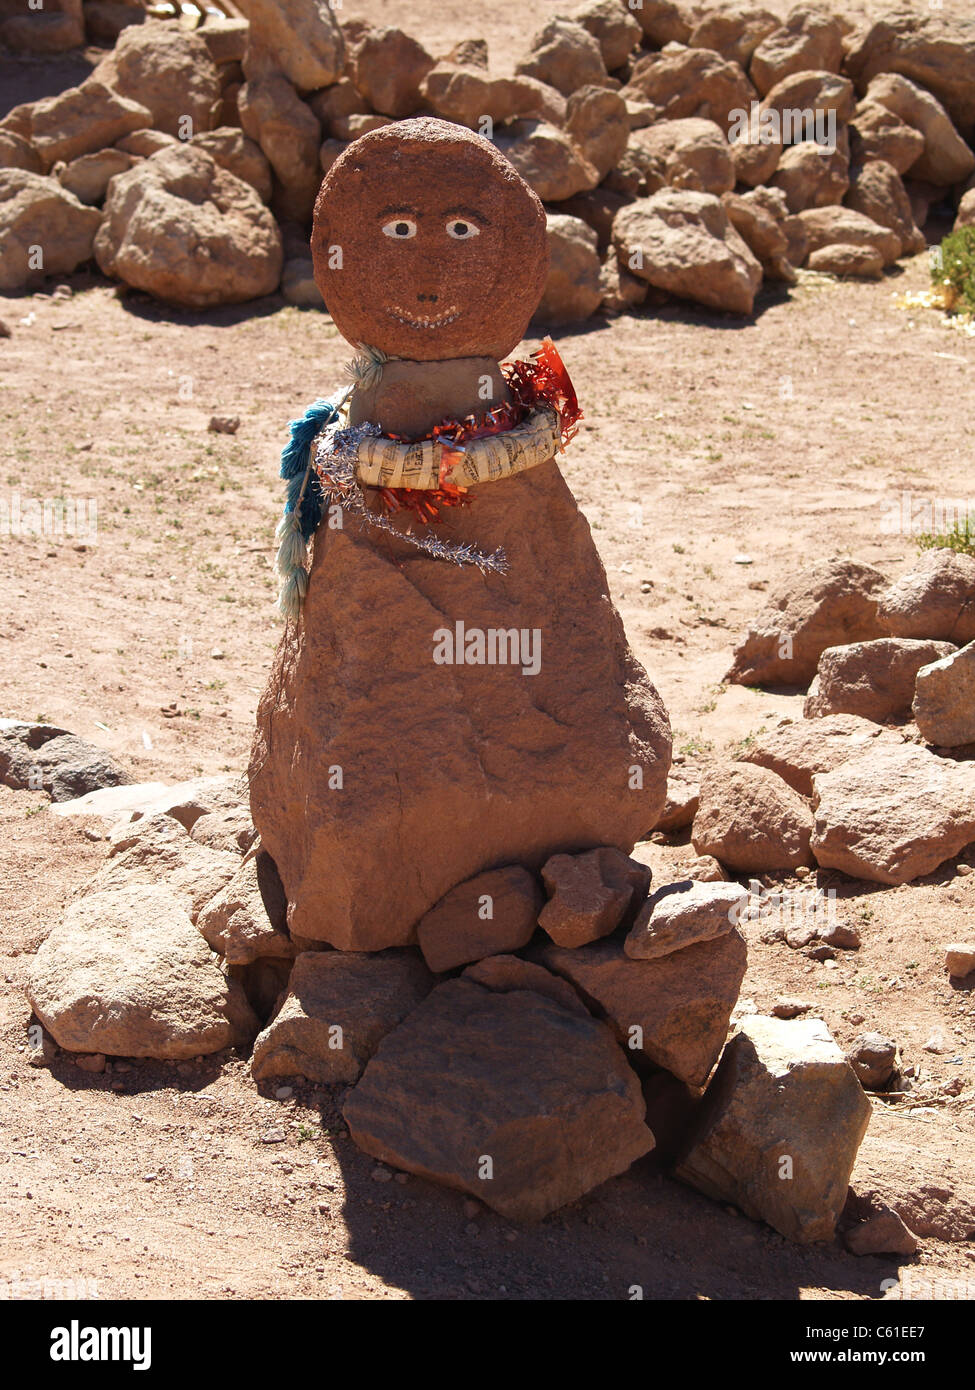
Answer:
x=779 y=1127
x=41 y=757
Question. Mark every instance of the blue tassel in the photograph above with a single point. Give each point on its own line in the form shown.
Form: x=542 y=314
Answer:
x=304 y=503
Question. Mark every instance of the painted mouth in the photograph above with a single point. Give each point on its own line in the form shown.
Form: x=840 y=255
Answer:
x=424 y=320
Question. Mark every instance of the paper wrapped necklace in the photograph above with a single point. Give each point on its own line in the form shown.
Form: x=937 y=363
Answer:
x=419 y=476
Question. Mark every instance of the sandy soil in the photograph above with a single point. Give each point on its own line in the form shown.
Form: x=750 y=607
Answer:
x=786 y=439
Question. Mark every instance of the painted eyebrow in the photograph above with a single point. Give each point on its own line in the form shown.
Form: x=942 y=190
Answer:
x=397 y=209
x=469 y=213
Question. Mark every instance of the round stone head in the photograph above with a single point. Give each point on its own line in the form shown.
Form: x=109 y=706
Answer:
x=428 y=244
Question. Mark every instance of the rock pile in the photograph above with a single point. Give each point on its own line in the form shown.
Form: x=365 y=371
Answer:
x=871 y=796
x=678 y=152
x=516 y=1049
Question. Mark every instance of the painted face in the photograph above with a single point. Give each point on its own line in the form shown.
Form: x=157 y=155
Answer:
x=428 y=245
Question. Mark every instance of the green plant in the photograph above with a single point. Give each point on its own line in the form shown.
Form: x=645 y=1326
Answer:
x=960 y=536
x=953 y=270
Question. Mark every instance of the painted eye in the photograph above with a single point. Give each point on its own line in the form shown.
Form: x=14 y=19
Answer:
x=461 y=230
x=400 y=229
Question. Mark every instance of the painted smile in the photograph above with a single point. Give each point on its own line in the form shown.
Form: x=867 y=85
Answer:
x=424 y=320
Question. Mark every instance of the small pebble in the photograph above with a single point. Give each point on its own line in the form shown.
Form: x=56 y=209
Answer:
x=284 y=1092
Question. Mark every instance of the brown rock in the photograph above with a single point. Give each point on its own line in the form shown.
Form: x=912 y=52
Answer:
x=693 y=82
x=614 y=28
x=828 y=603
x=549 y=162
x=341 y=99
x=734 y=32
x=507 y=1096
x=934 y=52
x=225 y=38
x=301 y=39
x=490 y=914
x=81 y=120
x=389 y=68
x=351 y=202
x=878 y=1230
x=674 y=1010
x=876 y=190
x=934 y=599
x=664 y=21
x=588 y=687
x=966 y=211
x=683 y=242
x=873 y=1059
x=689 y=153
x=893 y=814
x=169 y=70
x=247 y=918
x=865 y=262
x=191 y=874
x=469 y=96
x=872 y=679
x=338 y=1008
x=230 y=829
x=751 y=820
x=597 y=208
x=945 y=159
x=298 y=283
x=944 y=700
x=680 y=808
x=351 y=127
x=836 y=226
x=146 y=142
x=505 y=973
x=779 y=1128
x=18 y=153
x=960 y=959
x=590 y=894
x=809 y=39
x=812 y=175
x=54 y=28
x=88 y=176
x=572 y=289
x=564 y=55
x=240 y=156
x=620 y=291
x=126 y=973
x=797 y=749
x=596 y=120
x=105 y=19
x=761 y=232
x=289 y=134
x=194 y=204
x=36 y=211
x=806 y=102
x=683 y=914
x=755 y=152
x=702 y=868
x=876 y=133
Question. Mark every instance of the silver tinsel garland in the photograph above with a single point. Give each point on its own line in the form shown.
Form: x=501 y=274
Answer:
x=336 y=465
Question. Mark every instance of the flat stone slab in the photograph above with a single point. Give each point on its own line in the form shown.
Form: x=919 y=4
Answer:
x=508 y=1096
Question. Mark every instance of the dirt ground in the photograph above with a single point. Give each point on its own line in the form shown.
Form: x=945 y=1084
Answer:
x=705 y=440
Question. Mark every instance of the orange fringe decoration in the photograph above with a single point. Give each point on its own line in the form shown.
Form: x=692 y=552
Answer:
x=542 y=380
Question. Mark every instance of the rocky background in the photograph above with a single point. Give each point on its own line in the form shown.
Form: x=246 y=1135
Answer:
x=187 y=163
